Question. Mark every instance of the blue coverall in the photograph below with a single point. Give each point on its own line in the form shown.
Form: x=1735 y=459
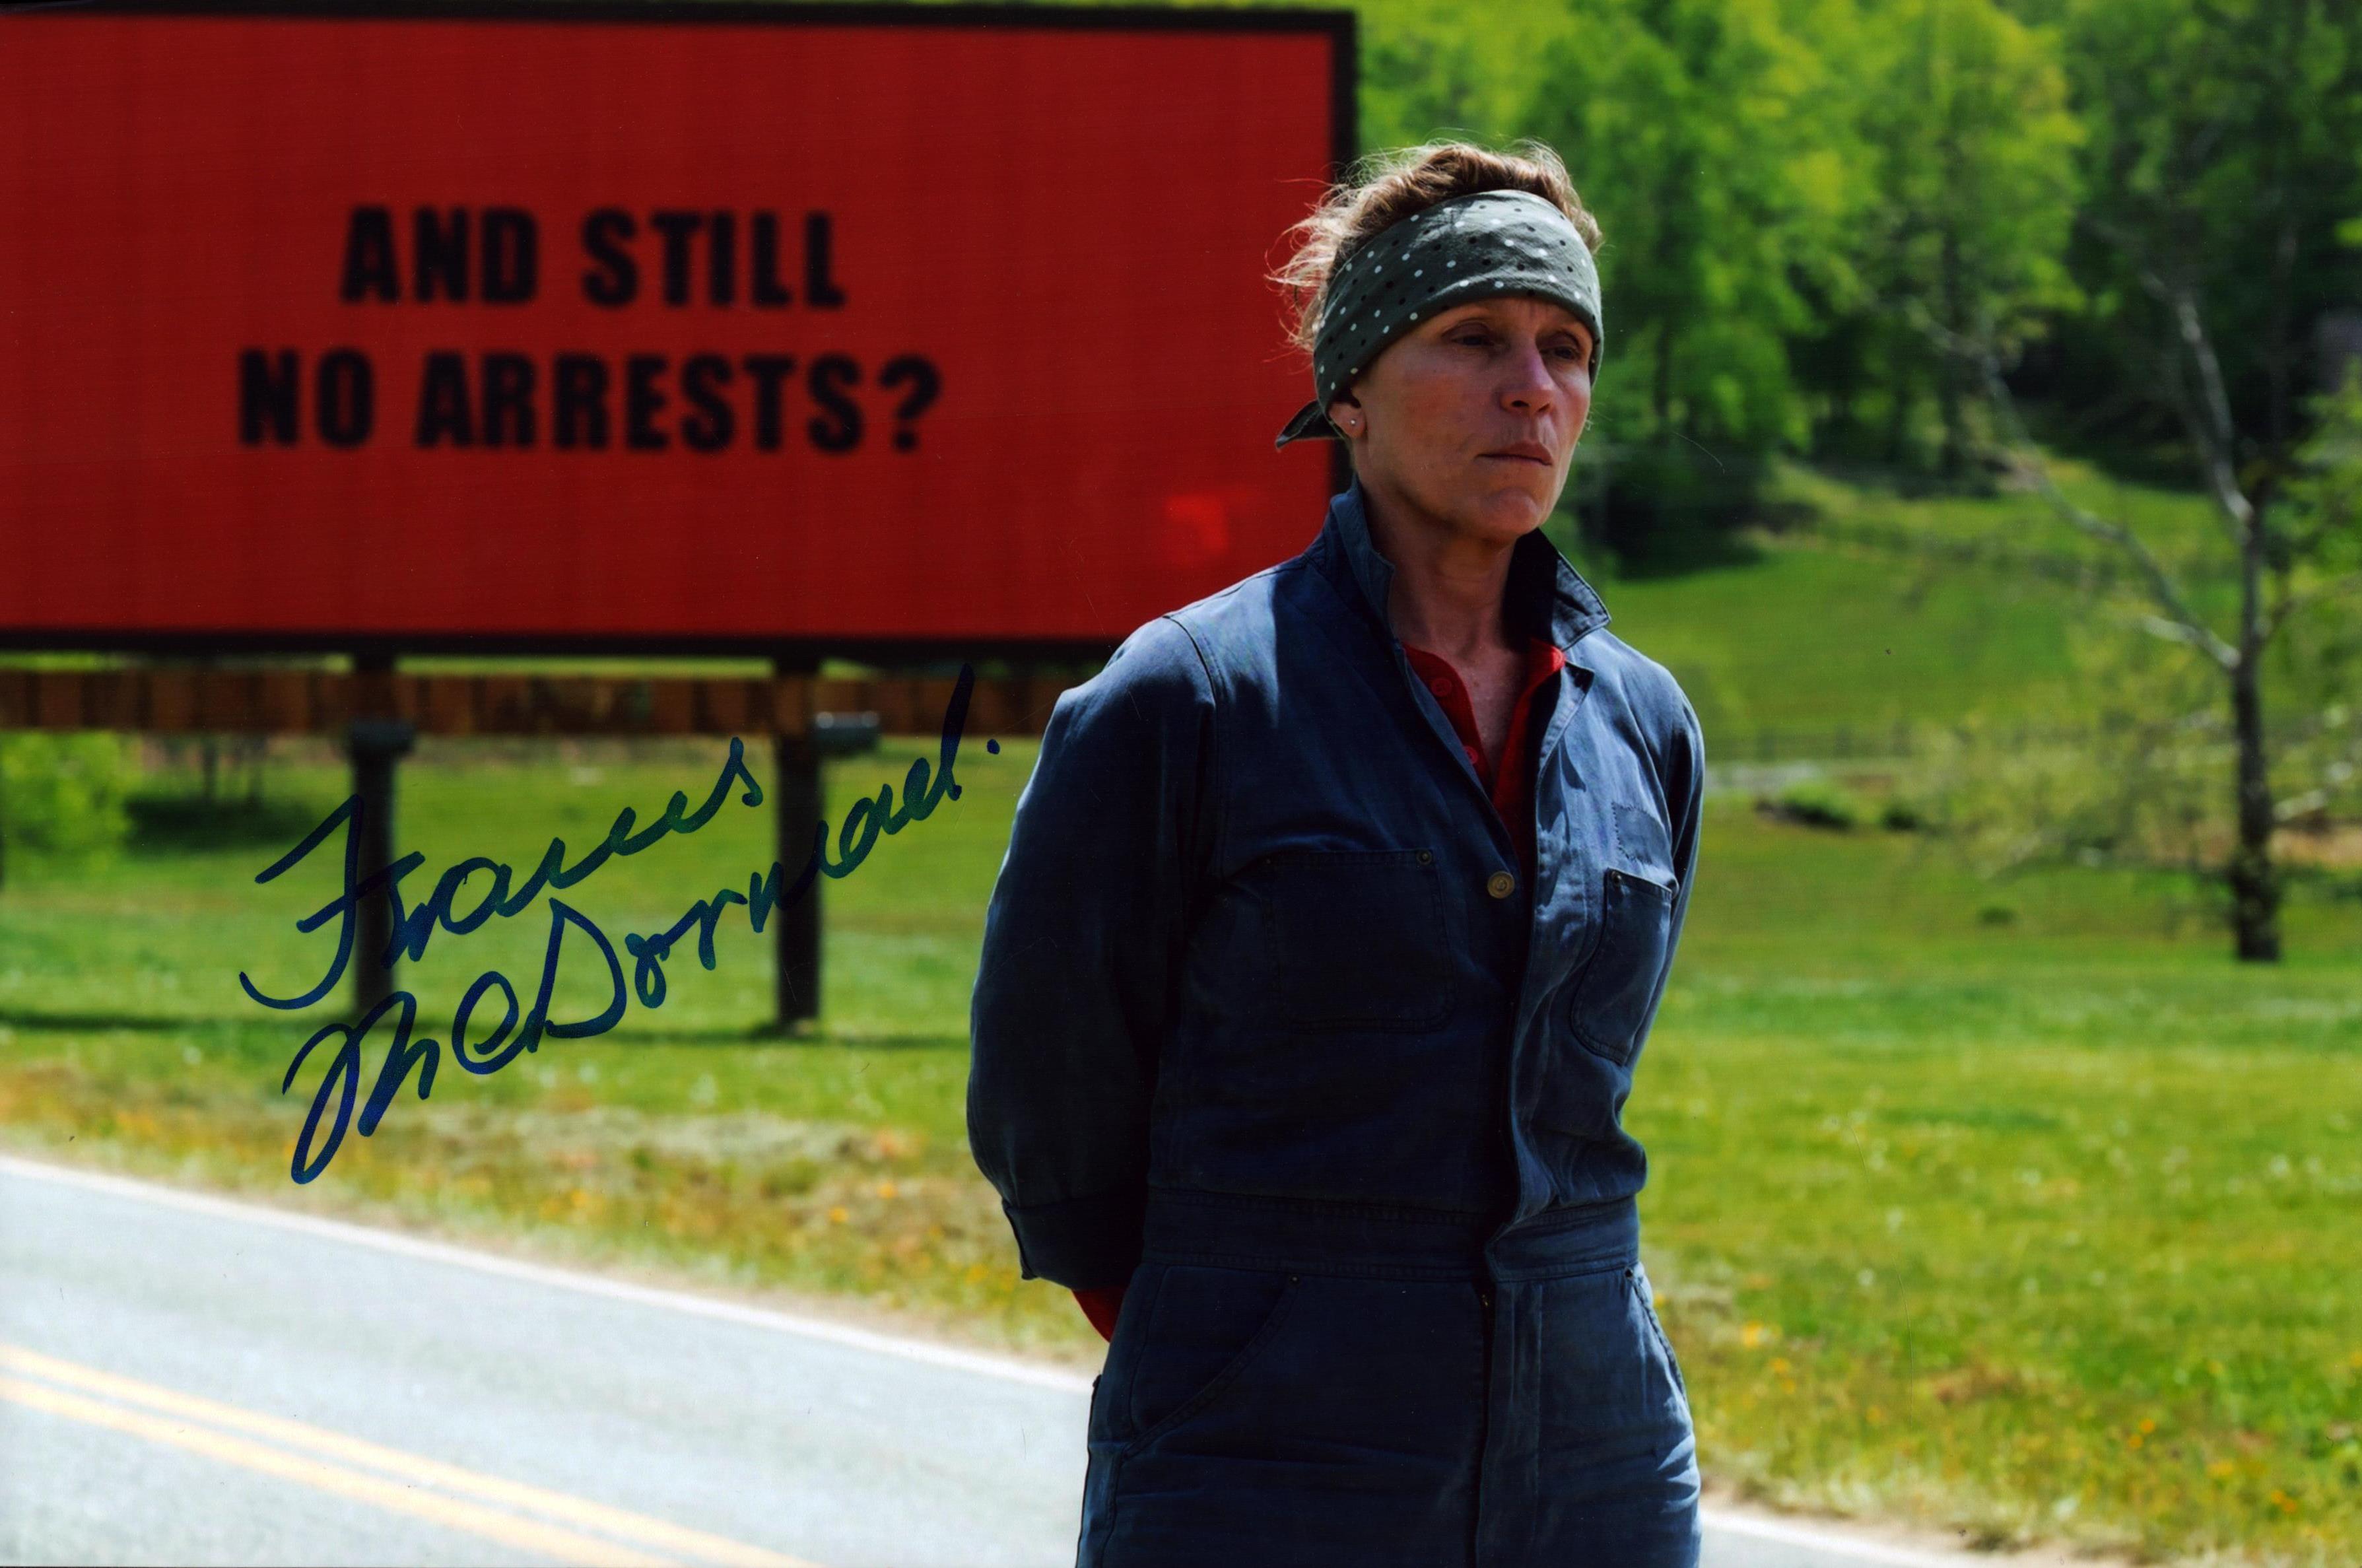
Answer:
x=1268 y=1029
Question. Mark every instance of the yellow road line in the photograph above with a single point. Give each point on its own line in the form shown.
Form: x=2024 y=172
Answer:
x=535 y=1537
x=527 y=1535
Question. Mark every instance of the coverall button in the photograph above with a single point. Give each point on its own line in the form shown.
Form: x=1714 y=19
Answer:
x=1500 y=884
x=1426 y=857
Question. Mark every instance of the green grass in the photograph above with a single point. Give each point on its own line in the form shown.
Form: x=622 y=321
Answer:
x=1802 y=633
x=2181 y=525
x=2041 y=1226
x=2050 y=1225
x=1811 y=638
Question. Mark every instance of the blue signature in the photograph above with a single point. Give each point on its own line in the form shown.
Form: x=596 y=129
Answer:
x=413 y=928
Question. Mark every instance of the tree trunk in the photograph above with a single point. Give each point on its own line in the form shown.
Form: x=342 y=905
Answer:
x=1900 y=389
x=2254 y=885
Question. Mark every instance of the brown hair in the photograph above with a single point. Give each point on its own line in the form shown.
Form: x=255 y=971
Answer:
x=1385 y=187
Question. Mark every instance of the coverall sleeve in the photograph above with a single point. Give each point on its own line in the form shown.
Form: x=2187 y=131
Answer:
x=1083 y=943
x=1684 y=775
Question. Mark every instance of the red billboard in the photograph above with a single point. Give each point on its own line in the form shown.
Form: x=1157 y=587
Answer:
x=689 y=326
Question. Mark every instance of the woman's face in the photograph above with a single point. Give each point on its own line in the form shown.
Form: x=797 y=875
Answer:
x=1438 y=421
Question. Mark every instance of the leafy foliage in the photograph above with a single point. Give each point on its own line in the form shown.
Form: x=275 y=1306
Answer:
x=64 y=793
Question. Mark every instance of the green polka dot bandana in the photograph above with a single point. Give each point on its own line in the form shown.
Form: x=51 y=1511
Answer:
x=1470 y=248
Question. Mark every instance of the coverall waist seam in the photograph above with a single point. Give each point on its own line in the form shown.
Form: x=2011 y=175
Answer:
x=1248 y=1230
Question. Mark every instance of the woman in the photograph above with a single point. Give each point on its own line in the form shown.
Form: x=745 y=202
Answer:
x=1334 y=916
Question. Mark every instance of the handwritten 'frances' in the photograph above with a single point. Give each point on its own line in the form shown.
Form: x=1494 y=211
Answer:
x=922 y=789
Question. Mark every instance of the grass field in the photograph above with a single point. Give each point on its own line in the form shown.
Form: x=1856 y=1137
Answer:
x=2015 y=1206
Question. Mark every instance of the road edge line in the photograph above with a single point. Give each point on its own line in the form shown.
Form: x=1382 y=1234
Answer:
x=776 y=1320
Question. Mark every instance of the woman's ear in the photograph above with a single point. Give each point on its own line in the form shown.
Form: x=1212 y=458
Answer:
x=1345 y=413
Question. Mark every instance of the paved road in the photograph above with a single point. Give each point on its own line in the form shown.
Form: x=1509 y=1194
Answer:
x=188 y=1380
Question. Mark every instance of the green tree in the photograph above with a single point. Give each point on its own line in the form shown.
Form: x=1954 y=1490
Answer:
x=2291 y=555
x=64 y=793
x=1970 y=149
x=2220 y=165
x=2222 y=183
x=1427 y=73
x=1711 y=140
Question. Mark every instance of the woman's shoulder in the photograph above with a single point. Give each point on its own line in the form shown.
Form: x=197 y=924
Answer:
x=1156 y=677
x=1197 y=658
x=1633 y=672
x=1223 y=641
x=1646 y=687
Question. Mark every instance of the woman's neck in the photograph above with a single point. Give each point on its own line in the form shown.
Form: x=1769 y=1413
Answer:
x=1449 y=593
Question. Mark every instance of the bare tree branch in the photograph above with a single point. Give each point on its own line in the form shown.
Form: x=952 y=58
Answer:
x=2172 y=631
x=2208 y=417
x=2180 y=622
x=2176 y=376
x=2222 y=436
x=2189 y=627
x=2335 y=777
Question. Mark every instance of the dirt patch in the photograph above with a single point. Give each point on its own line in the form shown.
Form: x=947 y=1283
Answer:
x=2333 y=846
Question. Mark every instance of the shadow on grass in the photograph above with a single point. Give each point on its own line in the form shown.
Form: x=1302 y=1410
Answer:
x=31 y=1020
x=171 y=823
x=804 y=1035
x=1682 y=544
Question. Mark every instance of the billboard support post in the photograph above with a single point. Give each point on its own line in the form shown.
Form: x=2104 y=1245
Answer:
x=375 y=744
x=797 y=777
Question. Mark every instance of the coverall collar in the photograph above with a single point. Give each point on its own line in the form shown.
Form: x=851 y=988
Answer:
x=1546 y=593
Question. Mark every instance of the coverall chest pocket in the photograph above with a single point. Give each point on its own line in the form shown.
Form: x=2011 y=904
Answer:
x=1606 y=998
x=1355 y=940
